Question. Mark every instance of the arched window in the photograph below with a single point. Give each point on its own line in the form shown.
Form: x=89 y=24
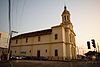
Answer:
x=56 y=52
x=16 y=41
x=46 y=50
x=56 y=36
x=64 y=18
x=15 y=51
x=30 y=51
x=38 y=38
x=26 y=40
x=67 y=17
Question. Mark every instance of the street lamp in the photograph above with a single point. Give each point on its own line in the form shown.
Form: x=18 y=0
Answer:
x=14 y=31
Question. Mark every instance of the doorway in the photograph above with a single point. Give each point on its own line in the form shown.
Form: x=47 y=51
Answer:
x=38 y=53
x=56 y=52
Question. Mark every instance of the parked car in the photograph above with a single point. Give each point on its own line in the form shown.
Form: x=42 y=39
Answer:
x=28 y=58
x=21 y=57
x=42 y=58
x=13 y=58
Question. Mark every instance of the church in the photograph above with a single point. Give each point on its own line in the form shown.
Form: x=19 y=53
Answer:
x=56 y=43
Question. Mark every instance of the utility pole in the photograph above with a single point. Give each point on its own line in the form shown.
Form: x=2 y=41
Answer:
x=10 y=31
x=10 y=34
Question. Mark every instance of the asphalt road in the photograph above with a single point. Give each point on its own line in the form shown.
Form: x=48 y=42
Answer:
x=31 y=63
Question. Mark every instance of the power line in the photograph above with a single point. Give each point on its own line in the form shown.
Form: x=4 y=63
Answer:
x=22 y=12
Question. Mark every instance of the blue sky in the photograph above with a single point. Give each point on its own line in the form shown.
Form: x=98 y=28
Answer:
x=32 y=15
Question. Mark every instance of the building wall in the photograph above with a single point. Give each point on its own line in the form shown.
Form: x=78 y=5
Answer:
x=64 y=43
x=47 y=42
x=4 y=39
x=3 y=51
x=56 y=30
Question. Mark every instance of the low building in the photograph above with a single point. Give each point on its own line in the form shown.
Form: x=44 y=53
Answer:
x=3 y=51
x=57 y=43
x=4 y=39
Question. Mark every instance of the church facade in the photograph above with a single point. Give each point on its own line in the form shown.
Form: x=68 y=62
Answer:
x=57 y=43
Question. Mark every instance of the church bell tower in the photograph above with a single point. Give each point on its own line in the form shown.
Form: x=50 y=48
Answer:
x=66 y=19
x=69 y=35
x=65 y=16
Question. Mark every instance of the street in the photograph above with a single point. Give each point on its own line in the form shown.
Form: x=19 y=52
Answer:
x=33 y=63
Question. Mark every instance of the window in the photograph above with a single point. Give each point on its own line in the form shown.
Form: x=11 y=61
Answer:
x=46 y=50
x=15 y=51
x=30 y=51
x=16 y=41
x=67 y=17
x=0 y=35
x=39 y=38
x=64 y=18
x=26 y=40
x=56 y=36
x=56 y=52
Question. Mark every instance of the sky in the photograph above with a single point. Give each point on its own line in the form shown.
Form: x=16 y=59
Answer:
x=33 y=15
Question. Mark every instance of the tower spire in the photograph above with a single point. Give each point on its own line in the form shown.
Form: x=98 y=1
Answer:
x=65 y=7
